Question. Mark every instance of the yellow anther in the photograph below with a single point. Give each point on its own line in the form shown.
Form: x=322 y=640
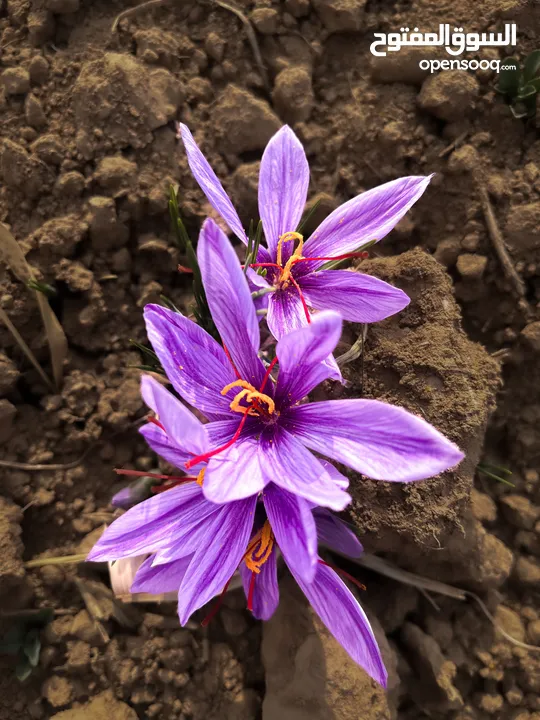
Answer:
x=237 y=383
x=260 y=549
x=200 y=476
x=290 y=237
x=250 y=394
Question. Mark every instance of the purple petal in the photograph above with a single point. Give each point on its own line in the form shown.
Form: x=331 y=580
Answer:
x=181 y=425
x=301 y=355
x=333 y=533
x=381 y=441
x=283 y=186
x=194 y=362
x=139 y=490
x=293 y=526
x=210 y=185
x=161 y=444
x=230 y=301
x=258 y=282
x=148 y=526
x=285 y=312
x=159 y=579
x=369 y=216
x=192 y=530
x=356 y=297
x=265 y=590
x=288 y=464
x=235 y=473
x=215 y=562
x=340 y=612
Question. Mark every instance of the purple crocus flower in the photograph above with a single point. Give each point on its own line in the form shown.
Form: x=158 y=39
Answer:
x=195 y=546
x=294 y=277
x=258 y=432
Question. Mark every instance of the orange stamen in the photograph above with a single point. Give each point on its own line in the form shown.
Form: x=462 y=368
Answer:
x=259 y=549
x=252 y=396
x=289 y=237
x=362 y=255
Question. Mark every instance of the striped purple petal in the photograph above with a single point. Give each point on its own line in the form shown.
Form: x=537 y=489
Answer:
x=210 y=185
x=369 y=216
x=283 y=186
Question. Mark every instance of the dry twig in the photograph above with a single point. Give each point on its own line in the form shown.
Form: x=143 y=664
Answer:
x=134 y=10
x=497 y=240
x=252 y=38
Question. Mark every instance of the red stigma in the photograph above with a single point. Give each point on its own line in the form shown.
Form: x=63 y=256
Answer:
x=229 y=358
x=251 y=591
x=267 y=373
x=206 y=456
x=213 y=612
x=155 y=421
x=339 y=571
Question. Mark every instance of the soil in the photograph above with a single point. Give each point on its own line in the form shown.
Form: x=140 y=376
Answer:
x=88 y=150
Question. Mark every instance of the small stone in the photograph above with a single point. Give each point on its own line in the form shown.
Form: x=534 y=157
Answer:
x=52 y=575
x=49 y=149
x=243 y=122
x=34 y=113
x=528 y=571
x=101 y=707
x=298 y=8
x=58 y=691
x=82 y=626
x=177 y=659
x=471 y=242
x=116 y=174
x=533 y=632
x=78 y=656
x=447 y=251
x=341 y=15
x=448 y=95
x=293 y=94
x=531 y=335
x=471 y=267
x=490 y=703
x=41 y=27
x=214 y=46
x=105 y=230
x=9 y=375
x=464 y=159
x=234 y=623
x=58 y=630
x=62 y=7
x=483 y=507
x=7 y=416
x=121 y=260
x=519 y=511
x=16 y=81
x=70 y=184
x=38 y=70
x=510 y=622
x=265 y=20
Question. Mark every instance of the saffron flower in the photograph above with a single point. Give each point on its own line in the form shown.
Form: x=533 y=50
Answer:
x=195 y=546
x=294 y=278
x=258 y=433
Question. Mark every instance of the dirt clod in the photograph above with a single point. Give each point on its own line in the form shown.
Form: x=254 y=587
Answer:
x=449 y=94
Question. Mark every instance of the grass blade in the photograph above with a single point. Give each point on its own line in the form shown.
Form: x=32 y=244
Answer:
x=24 y=347
x=13 y=256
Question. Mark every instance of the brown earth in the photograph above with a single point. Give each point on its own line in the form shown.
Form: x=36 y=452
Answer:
x=87 y=153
